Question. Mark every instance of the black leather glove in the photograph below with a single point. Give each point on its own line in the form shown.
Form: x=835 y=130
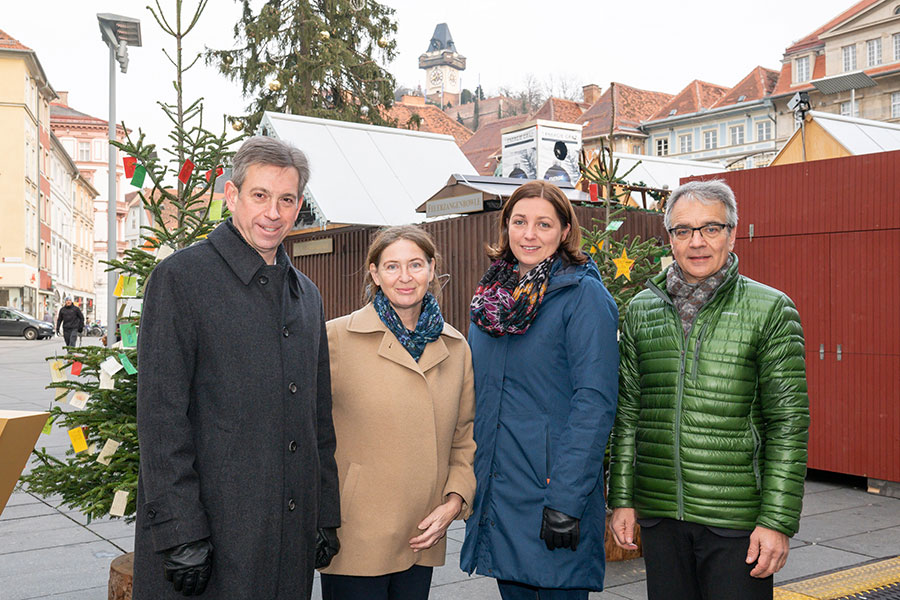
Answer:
x=189 y=566
x=559 y=530
x=327 y=546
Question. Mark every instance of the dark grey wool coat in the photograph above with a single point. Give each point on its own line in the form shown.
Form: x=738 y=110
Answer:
x=234 y=421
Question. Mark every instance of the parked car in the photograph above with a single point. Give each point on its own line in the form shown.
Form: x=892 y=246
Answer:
x=17 y=323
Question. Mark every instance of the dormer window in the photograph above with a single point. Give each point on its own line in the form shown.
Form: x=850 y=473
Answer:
x=741 y=98
x=801 y=69
x=672 y=112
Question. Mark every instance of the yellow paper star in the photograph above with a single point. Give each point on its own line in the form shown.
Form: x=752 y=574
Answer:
x=623 y=265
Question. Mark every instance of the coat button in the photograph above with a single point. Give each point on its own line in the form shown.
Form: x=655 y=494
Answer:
x=293 y=387
x=291 y=504
x=285 y=332
x=263 y=280
x=151 y=514
x=292 y=446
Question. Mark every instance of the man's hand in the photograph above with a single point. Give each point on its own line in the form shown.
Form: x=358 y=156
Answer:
x=559 y=530
x=327 y=546
x=189 y=566
x=435 y=525
x=769 y=549
x=621 y=524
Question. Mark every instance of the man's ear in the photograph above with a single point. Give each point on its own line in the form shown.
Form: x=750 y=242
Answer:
x=231 y=195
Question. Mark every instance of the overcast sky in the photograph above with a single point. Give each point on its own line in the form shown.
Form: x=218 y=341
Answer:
x=651 y=44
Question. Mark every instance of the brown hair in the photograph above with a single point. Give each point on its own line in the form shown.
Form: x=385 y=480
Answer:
x=388 y=236
x=570 y=246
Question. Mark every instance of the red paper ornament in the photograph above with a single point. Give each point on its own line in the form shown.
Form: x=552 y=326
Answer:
x=130 y=162
x=186 y=169
x=592 y=188
x=76 y=368
x=219 y=170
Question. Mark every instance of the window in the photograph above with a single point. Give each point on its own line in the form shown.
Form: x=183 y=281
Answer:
x=686 y=143
x=763 y=130
x=897 y=46
x=710 y=139
x=848 y=53
x=873 y=52
x=801 y=66
x=637 y=149
x=98 y=150
x=895 y=105
x=662 y=147
x=84 y=151
x=845 y=109
x=737 y=135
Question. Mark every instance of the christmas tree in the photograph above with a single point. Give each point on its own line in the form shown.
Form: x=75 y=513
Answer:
x=319 y=59
x=102 y=394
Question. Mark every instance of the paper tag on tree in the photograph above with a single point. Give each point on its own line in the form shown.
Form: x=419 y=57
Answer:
x=163 y=251
x=109 y=448
x=129 y=335
x=120 y=502
x=186 y=169
x=56 y=371
x=126 y=364
x=79 y=399
x=129 y=286
x=215 y=210
x=79 y=443
x=76 y=368
x=614 y=225
x=111 y=366
x=48 y=426
x=137 y=180
x=130 y=162
x=60 y=394
x=120 y=286
x=106 y=381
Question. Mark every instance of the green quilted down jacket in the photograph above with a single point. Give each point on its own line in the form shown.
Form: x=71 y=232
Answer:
x=712 y=429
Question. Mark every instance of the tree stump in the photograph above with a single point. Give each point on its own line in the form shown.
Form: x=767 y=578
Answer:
x=614 y=553
x=120 y=574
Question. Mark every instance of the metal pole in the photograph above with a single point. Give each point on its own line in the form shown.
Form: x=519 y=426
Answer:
x=111 y=191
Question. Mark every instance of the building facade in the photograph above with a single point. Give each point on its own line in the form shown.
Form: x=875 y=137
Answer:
x=849 y=66
x=733 y=127
x=85 y=138
x=25 y=234
x=443 y=68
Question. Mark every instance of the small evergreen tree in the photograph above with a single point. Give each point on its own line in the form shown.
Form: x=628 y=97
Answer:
x=318 y=59
x=180 y=216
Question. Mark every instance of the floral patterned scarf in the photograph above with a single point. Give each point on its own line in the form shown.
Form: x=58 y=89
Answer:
x=428 y=328
x=504 y=304
x=689 y=298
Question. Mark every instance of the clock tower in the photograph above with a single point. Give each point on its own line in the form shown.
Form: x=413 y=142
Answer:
x=443 y=68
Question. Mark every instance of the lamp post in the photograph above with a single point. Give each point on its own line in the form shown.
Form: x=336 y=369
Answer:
x=118 y=33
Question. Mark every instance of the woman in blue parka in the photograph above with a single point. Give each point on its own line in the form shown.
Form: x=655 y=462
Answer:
x=544 y=351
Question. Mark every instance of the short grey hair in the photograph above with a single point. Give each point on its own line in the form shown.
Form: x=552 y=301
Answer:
x=714 y=190
x=262 y=150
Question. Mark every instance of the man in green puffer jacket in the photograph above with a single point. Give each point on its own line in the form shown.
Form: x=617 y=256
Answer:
x=709 y=441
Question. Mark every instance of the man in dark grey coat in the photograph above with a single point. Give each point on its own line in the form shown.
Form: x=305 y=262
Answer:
x=237 y=477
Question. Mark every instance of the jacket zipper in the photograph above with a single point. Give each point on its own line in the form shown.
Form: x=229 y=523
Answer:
x=697 y=351
x=756 y=445
x=679 y=483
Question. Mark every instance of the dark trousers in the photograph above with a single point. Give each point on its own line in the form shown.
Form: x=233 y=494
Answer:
x=687 y=561
x=513 y=590
x=71 y=336
x=411 y=584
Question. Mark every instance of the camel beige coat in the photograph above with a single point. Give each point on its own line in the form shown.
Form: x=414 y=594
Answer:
x=404 y=440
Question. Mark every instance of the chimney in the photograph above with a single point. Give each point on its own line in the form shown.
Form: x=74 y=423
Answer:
x=591 y=93
x=63 y=98
x=414 y=100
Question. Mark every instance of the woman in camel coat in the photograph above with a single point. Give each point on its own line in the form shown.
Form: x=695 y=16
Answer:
x=403 y=409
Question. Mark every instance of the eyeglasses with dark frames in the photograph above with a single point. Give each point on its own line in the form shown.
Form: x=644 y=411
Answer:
x=710 y=231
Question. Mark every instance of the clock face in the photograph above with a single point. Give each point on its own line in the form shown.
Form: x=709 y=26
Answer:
x=436 y=76
x=452 y=77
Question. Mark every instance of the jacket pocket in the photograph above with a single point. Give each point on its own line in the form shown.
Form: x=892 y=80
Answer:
x=756 y=448
x=348 y=489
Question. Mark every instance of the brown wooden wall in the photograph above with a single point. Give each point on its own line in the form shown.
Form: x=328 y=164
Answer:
x=461 y=242
x=827 y=233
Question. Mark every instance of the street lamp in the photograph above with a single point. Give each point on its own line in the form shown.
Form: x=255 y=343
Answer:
x=118 y=33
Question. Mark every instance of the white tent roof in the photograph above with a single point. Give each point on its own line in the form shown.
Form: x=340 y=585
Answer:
x=364 y=174
x=859 y=136
x=661 y=171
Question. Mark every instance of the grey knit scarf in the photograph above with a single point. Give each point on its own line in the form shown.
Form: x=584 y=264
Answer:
x=689 y=298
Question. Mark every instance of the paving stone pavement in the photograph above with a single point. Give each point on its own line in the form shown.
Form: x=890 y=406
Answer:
x=50 y=551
